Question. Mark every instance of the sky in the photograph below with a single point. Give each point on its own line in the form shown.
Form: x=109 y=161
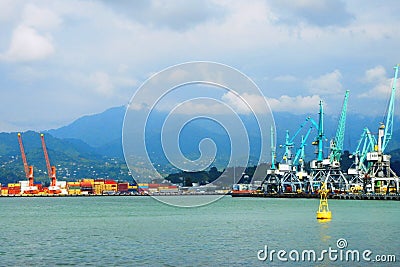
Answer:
x=62 y=59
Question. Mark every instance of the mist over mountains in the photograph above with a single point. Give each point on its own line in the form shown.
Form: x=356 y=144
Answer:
x=103 y=131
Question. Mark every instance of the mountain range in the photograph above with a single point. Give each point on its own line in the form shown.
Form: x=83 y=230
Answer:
x=91 y=146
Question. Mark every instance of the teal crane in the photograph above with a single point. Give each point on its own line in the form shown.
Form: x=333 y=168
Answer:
x=365 y=145
x=273 y=149
x=300 y=155
x=390 y=113
x=289 y=142
x=336 y=145
x=320 y=137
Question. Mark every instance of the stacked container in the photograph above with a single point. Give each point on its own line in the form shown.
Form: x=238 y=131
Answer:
x=123 y=187
x=4 y=191
x=87 y=186
x=143 y=188
x=99 y=186
x=110 y=185
x=14 y=189
x=74 y=188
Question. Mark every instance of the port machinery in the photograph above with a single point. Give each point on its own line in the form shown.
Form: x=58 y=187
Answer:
x=289 y=173
x=51 y=170
x=292 y=170
x=328 y=170
x=31 y=189
x=370 y=170
x=371 y=164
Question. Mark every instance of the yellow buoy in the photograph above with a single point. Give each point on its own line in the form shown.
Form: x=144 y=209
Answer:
x=323 y=212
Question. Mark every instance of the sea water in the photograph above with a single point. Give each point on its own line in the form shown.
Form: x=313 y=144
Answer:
x=141 y=231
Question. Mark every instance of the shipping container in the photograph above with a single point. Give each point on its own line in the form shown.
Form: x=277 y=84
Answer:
x=73 y=183
x=74 y=187
x=61 y=184
x=169 y=190
x=123 y=187
x=86 y=184
x=14 y=191
x=74 y=192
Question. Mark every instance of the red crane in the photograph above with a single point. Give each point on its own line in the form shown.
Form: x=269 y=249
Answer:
x=51 y=170
x=28 y=169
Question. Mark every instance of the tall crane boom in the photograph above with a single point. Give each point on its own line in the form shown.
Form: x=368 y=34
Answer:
x=51 y=170
x=28 y=169
x=320 y=138
x=273 y=149
x=390 y=112
x=21 y=147
x=337 y=142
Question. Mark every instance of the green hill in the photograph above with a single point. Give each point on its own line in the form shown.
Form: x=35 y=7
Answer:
x=74 y=159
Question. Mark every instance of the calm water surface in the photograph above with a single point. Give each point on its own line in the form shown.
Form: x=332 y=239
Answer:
x=140 y=231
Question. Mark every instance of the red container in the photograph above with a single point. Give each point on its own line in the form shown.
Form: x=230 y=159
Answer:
x=86 y=184
x=123 y=187
x=154 y=185
x=110 y=182
x=14 y=191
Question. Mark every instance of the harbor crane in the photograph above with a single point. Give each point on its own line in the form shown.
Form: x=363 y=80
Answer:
x=336 y=145
x=271 y=183
x=284 y=176
x=357 y=171
x=51 y=170
x=379 y=173
x=32 y=189
x=328 y=170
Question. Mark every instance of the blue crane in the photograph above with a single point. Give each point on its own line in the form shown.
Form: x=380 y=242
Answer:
x=273 y=149
x=300 y=152
x=320 y=137
x=366 y=144
x=390 y=113
x=336 y=146
x=289 y=142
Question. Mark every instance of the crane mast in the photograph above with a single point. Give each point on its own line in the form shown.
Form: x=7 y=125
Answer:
x=320 y=138
x=390 y=113
x=51 y=170
x=337 y=142
x=28 y=169
x=273 y=149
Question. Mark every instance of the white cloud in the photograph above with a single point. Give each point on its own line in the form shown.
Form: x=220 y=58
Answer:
x=375 y=75
x=27 y=45
x=327 y=84
x=298 y=104
x=102 y=83
x=31 y=40
x=381 y=85
x=245 y=103
x=317 y=12
x=9 y=9
x=40 y=18
x=99 y=41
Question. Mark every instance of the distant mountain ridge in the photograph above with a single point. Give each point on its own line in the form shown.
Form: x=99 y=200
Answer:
x=94 y=143
x=103 y=131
